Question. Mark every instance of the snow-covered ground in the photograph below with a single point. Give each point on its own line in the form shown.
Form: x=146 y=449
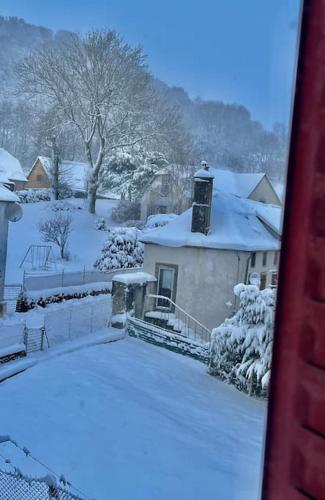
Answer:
x=128 y=420
x=85 y=241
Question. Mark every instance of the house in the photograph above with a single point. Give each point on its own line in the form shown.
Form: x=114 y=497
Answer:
x=72 y=173
x=162 y=196
x=199 y=256
x=11 y=172
x=9 y=211
x=167 y=192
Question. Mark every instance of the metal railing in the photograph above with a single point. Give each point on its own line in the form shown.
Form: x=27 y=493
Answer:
x=174 y=318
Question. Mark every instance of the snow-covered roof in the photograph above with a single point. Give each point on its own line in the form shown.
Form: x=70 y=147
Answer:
x=204 y=173
x=74 y=171
x=7 y=195
x=132 y=278
x=10 y=167
x=235 y=225
x=240 y=184
x=271 y=215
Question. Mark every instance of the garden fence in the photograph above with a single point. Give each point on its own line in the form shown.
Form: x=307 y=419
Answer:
x=15 y=486
x=68 y=321
x=62 y=279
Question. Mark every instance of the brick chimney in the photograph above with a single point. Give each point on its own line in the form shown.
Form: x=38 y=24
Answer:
x=201 y=211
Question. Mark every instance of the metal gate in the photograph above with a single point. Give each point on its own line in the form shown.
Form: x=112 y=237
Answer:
x=11 y=294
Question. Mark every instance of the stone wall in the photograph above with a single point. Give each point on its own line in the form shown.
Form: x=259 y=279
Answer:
x=171 y=341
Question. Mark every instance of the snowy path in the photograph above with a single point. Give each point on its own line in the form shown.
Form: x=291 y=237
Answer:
x=131 y=421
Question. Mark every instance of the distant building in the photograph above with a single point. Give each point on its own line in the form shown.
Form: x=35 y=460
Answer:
x=161 y=195
x=72 y=173
x=199 y=257
x=11 y=172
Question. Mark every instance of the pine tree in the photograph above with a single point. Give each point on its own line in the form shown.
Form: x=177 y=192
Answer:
x=121 y=250
x=241 y=348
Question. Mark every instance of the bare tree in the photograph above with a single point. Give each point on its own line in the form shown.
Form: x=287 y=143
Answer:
x=56 y=229
x=102 y=86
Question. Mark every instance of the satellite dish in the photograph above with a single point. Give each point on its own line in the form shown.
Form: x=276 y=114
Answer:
x=14 y=212
x=255 y=279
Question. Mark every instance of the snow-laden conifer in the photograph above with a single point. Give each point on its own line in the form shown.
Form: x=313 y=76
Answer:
x=122 y=249
x=241 y=347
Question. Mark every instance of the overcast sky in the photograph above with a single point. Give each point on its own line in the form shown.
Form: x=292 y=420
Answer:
x=232 y=50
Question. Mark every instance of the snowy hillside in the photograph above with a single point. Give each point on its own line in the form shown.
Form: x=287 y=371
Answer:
x=85 y=242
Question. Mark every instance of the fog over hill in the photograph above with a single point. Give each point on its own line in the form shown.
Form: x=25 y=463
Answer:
x=223 y=134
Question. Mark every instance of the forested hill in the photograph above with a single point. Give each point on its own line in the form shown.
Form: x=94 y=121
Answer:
x=17 y=38
x=223 y=134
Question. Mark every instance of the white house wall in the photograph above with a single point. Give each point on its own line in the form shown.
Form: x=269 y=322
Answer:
x=206 y=277
x=264 y=192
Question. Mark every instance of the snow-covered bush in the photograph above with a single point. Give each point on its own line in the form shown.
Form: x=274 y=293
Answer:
x=241 y=347
x=42 y=298
x=34 y=195
x=126 y=210
x=62 y=206
x=121 y=250
x=159 y=220
x=101 y=225
x=138 y=224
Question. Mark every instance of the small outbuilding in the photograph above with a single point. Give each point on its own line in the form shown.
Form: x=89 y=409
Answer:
x=73 y=174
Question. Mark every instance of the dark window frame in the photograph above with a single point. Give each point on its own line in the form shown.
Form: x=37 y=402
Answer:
x=165 y=265
x=264 y=259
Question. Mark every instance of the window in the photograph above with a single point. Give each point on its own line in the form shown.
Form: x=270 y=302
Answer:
x=165 y=185
x=162 y=210
x=253 y=259
x=263 y=281
x=39 y=177
x=264 y=259
x=166 y=285
x=274 y=279
x=276 y=258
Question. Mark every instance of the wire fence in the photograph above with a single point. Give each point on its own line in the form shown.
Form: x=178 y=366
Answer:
x=56 y=324
x=16 y=486
x=40 y=281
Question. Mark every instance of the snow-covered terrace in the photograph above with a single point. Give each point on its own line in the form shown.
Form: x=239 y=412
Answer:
x=128 y=420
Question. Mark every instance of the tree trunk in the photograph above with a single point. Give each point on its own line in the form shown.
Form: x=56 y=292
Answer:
x=92 y=200
x=93 y=175
x=55 y=169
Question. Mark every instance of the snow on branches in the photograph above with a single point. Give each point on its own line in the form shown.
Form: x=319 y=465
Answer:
x=241 y=347
x=122 y=249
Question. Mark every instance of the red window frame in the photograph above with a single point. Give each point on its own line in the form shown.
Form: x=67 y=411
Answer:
x=294 y=466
